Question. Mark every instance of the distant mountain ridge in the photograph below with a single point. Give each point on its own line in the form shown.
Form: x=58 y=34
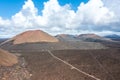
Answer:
x=42 y=41
x=39 y=40
x=82 y=37
x=92 y=38
x=41 y=36
x=113 y=37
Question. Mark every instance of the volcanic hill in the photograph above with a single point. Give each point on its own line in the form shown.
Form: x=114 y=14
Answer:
x=92 y=38
x=33 y=36
x=36 y=40
x=7 y=59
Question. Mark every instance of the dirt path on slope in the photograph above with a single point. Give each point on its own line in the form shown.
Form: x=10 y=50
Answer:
x=44 y=67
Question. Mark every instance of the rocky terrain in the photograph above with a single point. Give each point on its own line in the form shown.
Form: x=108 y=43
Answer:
x=90 y=57
x=13 y=67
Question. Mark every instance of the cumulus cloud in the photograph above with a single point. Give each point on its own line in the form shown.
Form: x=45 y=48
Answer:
x=93 y=16
x=94 y=12
x=26 y=16
x=113 y=5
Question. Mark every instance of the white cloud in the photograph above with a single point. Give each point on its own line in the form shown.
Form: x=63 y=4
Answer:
x=4 y=23
x=113 y=5
x=26 y=17
x=92 y=16
x=94 y=12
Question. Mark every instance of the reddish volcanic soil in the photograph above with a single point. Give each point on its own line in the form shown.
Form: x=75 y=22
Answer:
x=103 y=64
x=33 y=36
x=7 y=59
x=41 y=59
x=13 y=67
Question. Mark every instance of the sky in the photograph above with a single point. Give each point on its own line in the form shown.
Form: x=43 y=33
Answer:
x=60 y=16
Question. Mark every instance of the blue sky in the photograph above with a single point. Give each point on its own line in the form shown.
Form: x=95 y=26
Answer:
x=10 y=7
x=59 y=16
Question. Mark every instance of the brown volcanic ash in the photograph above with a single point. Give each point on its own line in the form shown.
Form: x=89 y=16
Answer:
x=33 y=36
x=7 y=59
